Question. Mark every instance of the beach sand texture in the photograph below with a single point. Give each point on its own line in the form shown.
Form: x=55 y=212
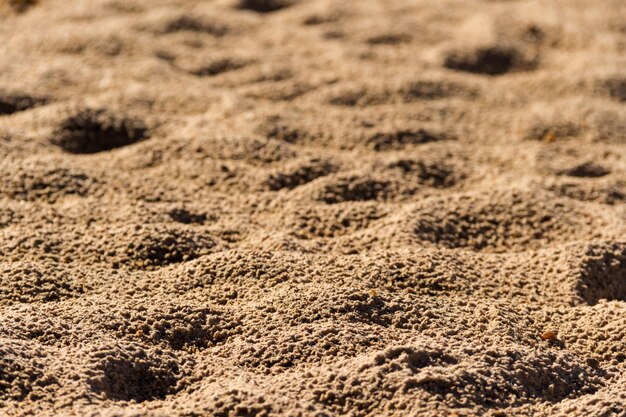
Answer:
x=312 y=208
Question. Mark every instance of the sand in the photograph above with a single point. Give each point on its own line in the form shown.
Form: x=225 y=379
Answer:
x=312 y=208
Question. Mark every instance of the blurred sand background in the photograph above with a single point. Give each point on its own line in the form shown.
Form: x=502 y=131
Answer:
x=312 y=208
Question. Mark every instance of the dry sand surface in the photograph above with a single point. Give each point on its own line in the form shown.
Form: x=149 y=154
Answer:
x=312 y=208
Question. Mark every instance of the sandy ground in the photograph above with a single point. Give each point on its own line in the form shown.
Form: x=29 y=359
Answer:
x=313 y=208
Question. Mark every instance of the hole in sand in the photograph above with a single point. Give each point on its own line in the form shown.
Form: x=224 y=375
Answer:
x=11 y=103
x=435 y=174
x=353 y=188
x=192 y=24
x=275 y=127
x=263 y=6
x=21 y=6
x=587 y=170
x=297 y=174
x=433 y=90
x=389 y=39
x=382 y=141
x=504 y=221
x=149 y=248
x=333 y=221
x=490 y=379
x=92 y=131
x=493 y=60
x=616 y=89
x=604 y=274
x=185 y=216
x=134 y=376
x=218 y=67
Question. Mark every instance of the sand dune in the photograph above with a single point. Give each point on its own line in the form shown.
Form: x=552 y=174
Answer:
x=312 y=208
